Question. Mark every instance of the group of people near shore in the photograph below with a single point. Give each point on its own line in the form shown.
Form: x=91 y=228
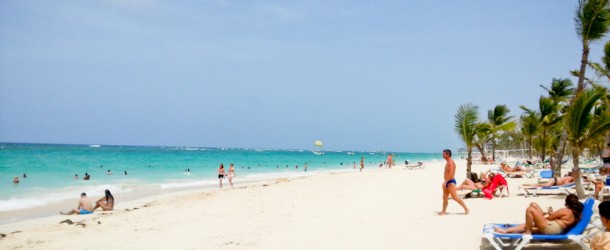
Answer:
x=85 y=206
x=221 y=174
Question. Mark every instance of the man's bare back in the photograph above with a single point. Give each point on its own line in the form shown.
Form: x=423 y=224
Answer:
x=85 y=203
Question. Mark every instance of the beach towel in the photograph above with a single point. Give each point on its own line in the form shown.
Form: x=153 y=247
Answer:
x=496 y=182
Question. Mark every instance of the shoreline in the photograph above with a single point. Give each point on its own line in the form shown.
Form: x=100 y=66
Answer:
x=378 y=208
x=151 y=190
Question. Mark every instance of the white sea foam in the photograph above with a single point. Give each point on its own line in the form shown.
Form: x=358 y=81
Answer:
x=188 y=184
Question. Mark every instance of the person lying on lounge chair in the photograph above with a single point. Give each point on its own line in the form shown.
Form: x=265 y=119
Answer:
x=556 y=181
x=471 y=185
x=598 y=180
x=554 y=223
x=480 y=183
x=507 y=168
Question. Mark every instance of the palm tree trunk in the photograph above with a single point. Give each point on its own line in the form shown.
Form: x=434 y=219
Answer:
x=583 y=67
x=493 y=148
x=556 y=164
x=469 y=163
x=580 y=191
x=483 y=157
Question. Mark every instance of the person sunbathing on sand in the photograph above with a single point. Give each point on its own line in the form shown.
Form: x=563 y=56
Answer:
x=84 y=206
x=106 y=202
x=556 y=181
x=554 y=223
x=507 y=168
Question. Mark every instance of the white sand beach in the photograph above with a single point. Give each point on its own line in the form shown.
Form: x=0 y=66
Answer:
x=375 y=209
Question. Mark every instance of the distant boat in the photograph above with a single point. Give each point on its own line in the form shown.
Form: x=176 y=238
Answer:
x=351 y=153
x=94 y=146
x=318 y=152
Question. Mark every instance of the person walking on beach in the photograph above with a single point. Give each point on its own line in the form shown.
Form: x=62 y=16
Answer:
x=361 y=163
x=231 y=174
x=84 y=206
x=221 y=174
x=449 y=184
x=305 y=167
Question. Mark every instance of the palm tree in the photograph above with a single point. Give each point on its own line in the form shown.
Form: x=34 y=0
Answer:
x=581 y=126
x=560 y=93
x=604 y=71
x=547 y=119
x=529 y=128
x=592 y=21
x=466 y=120
x=482 y=135
x=499 y=122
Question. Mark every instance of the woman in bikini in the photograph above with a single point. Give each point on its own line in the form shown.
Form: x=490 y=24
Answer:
x=221 y=174
x=231 y=174
x=554 y=223
x=556 y=181
x=106 y=202
x=481 y=183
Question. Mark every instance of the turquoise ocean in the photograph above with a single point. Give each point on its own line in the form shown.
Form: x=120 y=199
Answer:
x=138 y=171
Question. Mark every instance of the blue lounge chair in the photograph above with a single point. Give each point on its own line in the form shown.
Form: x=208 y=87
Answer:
x=520 y=240
x=534 y=190
x=545 y=175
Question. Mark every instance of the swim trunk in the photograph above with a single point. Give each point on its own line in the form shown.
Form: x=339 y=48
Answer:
x=552 y=228
x=220 y=176
x=606 y=160
x=450 y=181
x=83 y=211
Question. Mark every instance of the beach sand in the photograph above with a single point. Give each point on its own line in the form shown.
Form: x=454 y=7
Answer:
x=375 y=209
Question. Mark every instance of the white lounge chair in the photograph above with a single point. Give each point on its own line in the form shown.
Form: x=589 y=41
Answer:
x=533 y=191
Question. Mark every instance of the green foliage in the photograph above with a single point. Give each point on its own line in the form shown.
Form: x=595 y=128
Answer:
x=592 y=20
x=581 y=123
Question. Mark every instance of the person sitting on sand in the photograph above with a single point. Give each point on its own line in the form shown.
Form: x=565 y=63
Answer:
x=556 y=181
x=84 y=206
x=554 y=223
x=106 y=202
x=507 y=168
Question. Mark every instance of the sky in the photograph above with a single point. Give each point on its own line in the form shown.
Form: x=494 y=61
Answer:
x=358 y=75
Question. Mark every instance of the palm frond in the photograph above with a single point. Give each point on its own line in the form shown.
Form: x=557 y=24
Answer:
x=579 y=115
x=466 y=120
x=592 y=20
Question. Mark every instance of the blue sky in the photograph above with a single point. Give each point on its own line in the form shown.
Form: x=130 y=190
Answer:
x=359 y=75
